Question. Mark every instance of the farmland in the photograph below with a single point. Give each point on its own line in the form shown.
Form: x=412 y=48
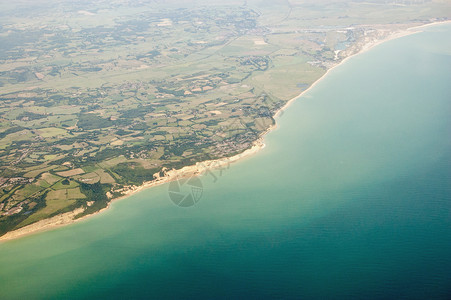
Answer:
x=95 y=99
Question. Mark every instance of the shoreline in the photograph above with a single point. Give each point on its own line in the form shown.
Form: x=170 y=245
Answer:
x=188 y=171
x=365 y=47
x=200 y=167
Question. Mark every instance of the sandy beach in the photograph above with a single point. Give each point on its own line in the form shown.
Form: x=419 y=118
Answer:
x=188 y=171
x=201 y=167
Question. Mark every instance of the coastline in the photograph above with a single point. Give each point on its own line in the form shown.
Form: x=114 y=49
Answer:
x=200 y=167
x=171 y=175
x=365 y=47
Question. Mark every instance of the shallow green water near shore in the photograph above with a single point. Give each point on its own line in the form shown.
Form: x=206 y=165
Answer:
x=351 y=198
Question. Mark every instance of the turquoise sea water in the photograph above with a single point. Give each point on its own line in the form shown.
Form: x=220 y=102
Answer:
x=351 y=198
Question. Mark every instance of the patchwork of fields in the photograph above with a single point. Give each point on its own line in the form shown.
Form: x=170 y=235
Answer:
x=97 y=98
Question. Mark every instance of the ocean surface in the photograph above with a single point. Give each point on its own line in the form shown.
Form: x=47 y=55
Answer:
x=351 y=198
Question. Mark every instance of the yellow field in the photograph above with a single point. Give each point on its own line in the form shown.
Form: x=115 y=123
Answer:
x=36 y=172
x=51 y=132
x=71 y=172
x=50 y=178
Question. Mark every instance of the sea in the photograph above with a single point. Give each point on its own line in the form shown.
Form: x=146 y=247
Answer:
x=350 y=199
